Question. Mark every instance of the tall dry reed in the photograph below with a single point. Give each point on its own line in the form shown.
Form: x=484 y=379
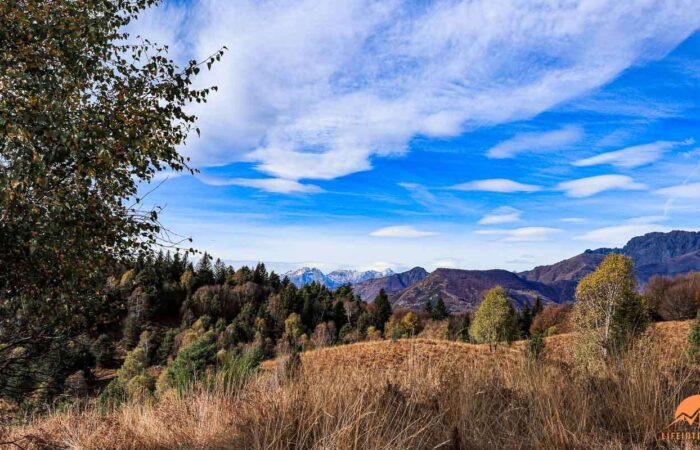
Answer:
x=424 y=399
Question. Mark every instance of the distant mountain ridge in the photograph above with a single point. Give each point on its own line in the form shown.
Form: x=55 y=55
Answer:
x=369 y=289
x=335 y=279
x=464 y=289
x=671 y=253
x=657 y=253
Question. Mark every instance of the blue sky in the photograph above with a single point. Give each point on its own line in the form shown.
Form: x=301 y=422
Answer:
x=496 y=134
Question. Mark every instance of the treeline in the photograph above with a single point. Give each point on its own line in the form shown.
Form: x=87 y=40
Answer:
x=673 y=298
x=192 y=319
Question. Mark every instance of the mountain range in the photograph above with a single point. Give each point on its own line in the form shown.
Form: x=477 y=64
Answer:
x=670 y=253
x=334 y=279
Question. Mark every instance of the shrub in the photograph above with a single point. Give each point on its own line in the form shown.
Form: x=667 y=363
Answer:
x=190 y=363
x=134 y=364
x=166 y=346
x=324 y=335
x=132 y=330
x=411 y=323
x=113 y=394
x=535 y=346
x=133 y=375
x=103 y=350
x=552 y=316
x=234 y=370
x=673 y=298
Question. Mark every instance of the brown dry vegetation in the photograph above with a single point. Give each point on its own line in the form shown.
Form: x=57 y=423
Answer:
x=406 y=394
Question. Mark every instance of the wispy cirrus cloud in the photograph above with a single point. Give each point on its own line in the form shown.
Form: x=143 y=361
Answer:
x=501 y=185
x=586 y=187
x=635 y=156
x=689 y=191
x=572 y=220
x=402 y=231
x=618 y=235
x=525 y=234
x=316 y=89
x=498 y=216
x=536 y=142
x=275 y=185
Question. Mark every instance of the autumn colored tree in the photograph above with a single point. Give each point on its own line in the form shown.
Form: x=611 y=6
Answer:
x=411 y=323
x=86 y=116
x=608 y=313
x=495 y=320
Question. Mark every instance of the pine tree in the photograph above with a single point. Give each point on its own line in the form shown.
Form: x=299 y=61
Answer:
x=219 y=272
x=382 y=310
x=428 y=308
x=205 y=274
x=260 y=274
x=537 y=308
x=440 y=311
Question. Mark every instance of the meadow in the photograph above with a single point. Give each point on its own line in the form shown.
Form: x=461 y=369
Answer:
x=407 y=393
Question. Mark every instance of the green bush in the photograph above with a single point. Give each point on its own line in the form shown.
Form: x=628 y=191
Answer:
x=166 y=345
x=113 y=395
x=190 y=363
x=132 y=331
x=534 y=349
x=235 y=370
x=103 y=350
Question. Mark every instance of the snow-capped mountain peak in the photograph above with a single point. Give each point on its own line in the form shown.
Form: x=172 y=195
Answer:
x=335 y=279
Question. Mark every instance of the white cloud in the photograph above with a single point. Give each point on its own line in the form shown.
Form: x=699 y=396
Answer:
x=401 y=231
x=586 y=187
x=690 y=191
x=526 y=234
x=504 y=214
x=315 y=89
x=380 y=266
x=276 y=185
x=167 y=175
x=572 y=220
x=496 y=185
x=631 y=157
x=446 y=263
x=619 y=235
x=535 y=142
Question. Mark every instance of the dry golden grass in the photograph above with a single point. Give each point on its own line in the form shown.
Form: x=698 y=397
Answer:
x=408 y=394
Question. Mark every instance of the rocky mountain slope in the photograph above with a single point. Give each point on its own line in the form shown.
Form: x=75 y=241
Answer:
x=653 y=254
x=368 y=290
x=464 y=289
